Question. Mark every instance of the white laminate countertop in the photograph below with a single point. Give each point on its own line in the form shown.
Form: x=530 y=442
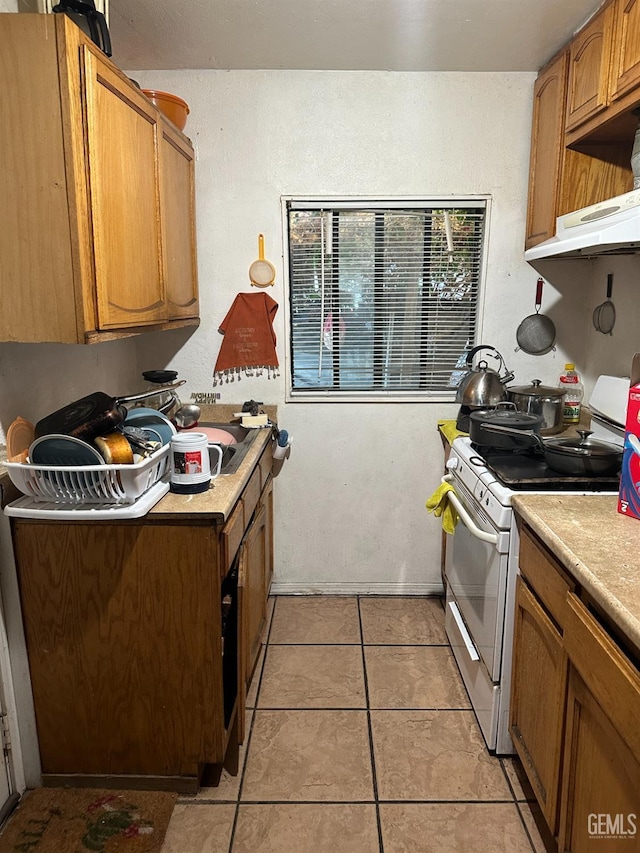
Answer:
x=598 y=546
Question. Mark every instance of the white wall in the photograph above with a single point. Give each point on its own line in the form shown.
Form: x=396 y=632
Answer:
x=350 y=501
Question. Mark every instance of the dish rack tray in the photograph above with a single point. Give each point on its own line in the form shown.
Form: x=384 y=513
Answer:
x=89 y=484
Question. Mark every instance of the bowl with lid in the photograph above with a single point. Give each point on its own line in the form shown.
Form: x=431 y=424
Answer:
x=175 y=109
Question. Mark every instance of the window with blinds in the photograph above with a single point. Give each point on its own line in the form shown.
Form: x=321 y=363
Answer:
x=384 y=297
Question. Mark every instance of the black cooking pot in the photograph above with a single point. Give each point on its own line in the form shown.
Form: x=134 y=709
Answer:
x=580 y=456
x=504 y=415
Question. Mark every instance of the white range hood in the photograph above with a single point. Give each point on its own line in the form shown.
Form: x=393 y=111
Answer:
x=610 y=227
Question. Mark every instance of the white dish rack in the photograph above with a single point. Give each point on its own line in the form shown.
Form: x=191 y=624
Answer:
x=108 y=485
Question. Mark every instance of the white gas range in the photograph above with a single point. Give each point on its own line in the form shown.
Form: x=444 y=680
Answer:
x=481 y=565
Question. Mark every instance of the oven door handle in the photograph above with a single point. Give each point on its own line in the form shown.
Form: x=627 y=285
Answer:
x=466 y=519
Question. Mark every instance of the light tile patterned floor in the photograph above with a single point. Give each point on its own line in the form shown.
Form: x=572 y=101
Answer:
x=361 y=739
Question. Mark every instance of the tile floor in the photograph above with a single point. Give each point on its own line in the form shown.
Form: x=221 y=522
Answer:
x=361 y=739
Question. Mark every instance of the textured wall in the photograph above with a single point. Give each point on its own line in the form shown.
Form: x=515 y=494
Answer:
x=350 y=500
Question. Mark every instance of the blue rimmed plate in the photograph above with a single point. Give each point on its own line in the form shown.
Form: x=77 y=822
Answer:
x=147 y=418
x=63 y=450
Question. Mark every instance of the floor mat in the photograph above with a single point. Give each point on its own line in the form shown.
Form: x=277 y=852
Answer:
x=69 y=820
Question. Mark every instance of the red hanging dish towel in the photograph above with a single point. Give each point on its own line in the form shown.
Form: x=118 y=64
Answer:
x=249 y=340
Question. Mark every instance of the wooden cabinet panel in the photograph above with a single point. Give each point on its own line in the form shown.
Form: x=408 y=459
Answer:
x=544 y=574
x=612 y=679
x=231 y=537
x=267 y=500
x=177 y=184
x=82 y=254
x=547 y=149
x=625 y=67
x=251 y=494
x=123 y=681
x=122 y=144
x=253 y=562
x=538 y=690
x=589 y=60
x=584 y=681
x=601 y=777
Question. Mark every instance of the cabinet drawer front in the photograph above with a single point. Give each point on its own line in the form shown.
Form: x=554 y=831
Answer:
x=232 y=534
x=612 y=679
x=544 y=574
x=251 y=494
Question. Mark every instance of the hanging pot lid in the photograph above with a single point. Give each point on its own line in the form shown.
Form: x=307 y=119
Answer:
x=537 y=389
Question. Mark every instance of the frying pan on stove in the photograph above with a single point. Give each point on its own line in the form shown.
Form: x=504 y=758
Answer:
x=91 y=416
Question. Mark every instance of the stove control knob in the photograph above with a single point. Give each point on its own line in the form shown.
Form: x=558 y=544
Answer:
x=452 y=463
x=481 y=493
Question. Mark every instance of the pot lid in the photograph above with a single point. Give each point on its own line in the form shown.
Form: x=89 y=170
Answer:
x=537 y=389
x=585 y=446
x=506 y=417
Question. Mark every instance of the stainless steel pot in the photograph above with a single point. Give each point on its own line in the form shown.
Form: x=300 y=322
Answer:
x=539 y=399
x=520 y=427
x=577 y=457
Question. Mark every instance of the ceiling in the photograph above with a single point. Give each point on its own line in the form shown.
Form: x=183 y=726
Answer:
x=391 y=35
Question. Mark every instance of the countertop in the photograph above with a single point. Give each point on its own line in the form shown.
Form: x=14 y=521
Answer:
x=598 y=546
x=216 y=503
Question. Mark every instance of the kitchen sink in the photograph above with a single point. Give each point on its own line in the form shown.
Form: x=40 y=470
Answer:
x=233 y=454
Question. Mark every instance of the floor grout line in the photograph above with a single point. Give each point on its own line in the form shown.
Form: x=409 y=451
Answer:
x=377 y=800
x=370 y=731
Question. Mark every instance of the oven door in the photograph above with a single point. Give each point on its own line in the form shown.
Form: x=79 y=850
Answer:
x=476 y=575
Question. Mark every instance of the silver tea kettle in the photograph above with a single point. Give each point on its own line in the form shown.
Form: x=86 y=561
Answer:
x=482 y=387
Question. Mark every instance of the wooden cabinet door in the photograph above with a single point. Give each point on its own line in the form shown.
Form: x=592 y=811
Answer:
x=254 y=561
x=122 y=143
x=177 y=195
x=590 y=56
x=601 y=776
x=538 y=689
x=267 y=500
x=547 y=148
x=625 y=67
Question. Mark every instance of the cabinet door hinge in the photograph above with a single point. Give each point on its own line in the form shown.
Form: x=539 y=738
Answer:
x=5 y=732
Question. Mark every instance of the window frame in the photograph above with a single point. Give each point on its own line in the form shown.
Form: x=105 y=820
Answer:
x=356 y=202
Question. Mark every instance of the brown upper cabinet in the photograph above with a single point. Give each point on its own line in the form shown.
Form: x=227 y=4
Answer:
x=589 y=60
x=583 y=126
x=625 y=67
x=99 y=242
x=547 y=149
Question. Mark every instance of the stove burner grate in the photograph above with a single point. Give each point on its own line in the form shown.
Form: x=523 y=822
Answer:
x=526 y=469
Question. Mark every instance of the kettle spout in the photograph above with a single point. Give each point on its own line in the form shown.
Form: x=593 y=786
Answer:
x=507 y=377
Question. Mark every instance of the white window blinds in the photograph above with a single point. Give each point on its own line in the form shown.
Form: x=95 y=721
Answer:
x=384 y=298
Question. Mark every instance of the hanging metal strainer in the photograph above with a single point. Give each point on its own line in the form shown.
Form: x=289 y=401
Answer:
x=536 y=334
x=604 y=315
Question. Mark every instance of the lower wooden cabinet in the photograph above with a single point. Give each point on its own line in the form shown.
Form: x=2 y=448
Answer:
x=141 y=637
x=539 y=685
x=575 y=709
x=255 y=566
x=601 y=780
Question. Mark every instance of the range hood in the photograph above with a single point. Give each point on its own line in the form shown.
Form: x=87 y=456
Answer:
x=609 y=227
